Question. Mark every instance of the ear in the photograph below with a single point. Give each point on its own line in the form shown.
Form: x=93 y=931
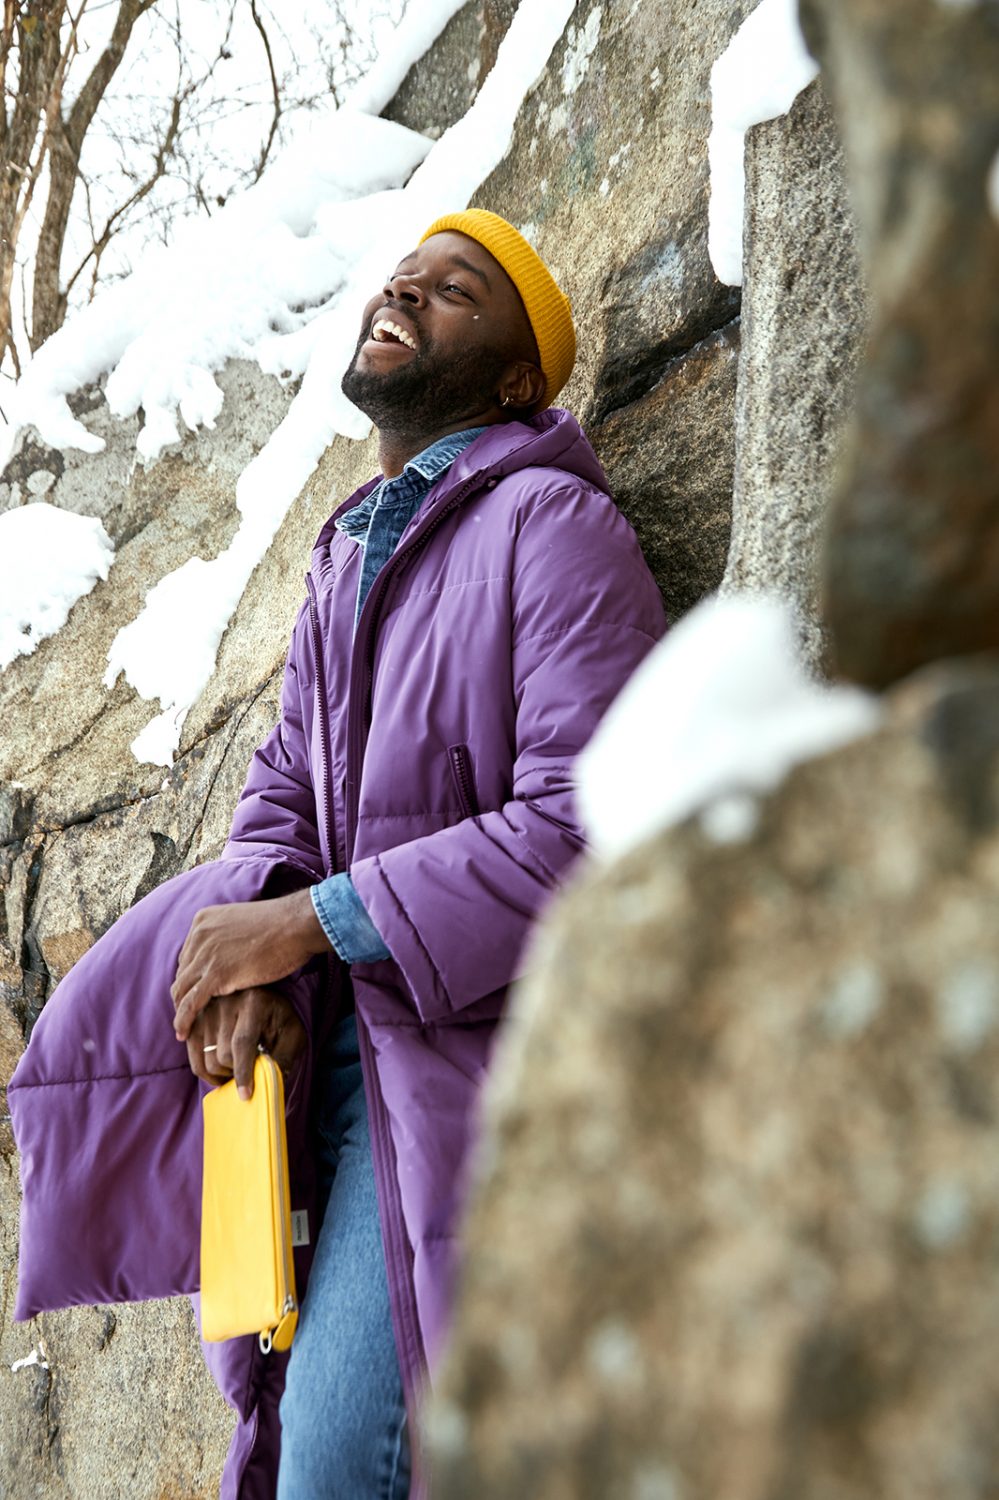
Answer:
x=522 y=386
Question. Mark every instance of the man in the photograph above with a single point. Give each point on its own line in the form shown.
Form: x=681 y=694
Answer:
x=471 y=614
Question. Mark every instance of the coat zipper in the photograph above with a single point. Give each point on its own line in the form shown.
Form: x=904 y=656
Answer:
x=359 y=710
x=324 y=744
x=333 y=985
x=399 y=1255
x=461 y=770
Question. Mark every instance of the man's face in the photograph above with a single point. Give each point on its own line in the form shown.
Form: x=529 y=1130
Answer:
x=437 y=340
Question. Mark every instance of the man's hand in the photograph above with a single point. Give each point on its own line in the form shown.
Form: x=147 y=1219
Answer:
x=240 y=946
x=231 y=1029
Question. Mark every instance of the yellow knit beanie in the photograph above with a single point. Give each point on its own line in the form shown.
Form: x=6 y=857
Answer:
x=547 y=306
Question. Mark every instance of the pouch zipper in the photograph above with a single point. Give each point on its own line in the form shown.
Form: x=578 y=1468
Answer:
x=275 y=1099
x=461 y=770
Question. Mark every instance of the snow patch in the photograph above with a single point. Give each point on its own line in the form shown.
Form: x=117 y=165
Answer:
x=40 y=482
x=51 y=558
x=854 y=1000
x=758 y=77
x=943 y=1214
x=968 y=1003
x=730 y=820
x=580 y=44
x=169 y=651
x=416 y=33
x=36 y=1357
x=721 y=708
x=558 y=120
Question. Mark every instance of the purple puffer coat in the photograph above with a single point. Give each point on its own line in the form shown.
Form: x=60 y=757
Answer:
x=431 y=756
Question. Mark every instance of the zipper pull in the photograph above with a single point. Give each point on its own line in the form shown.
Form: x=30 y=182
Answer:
x=274 y=1338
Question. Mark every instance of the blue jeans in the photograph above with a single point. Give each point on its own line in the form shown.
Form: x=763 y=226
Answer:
x=343 y=1419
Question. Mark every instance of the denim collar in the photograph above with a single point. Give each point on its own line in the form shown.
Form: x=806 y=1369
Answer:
x=409 y=487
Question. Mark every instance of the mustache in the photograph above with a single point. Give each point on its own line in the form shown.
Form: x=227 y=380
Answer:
x=396 y=306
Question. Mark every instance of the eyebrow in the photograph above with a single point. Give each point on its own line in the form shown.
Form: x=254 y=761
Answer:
x=457 y=260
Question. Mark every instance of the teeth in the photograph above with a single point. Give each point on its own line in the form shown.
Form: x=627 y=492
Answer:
x=383 y=329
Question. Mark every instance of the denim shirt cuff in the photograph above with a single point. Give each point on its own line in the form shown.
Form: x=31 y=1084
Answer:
x=345 y=921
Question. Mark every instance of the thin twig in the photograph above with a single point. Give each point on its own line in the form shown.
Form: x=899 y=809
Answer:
x=275 y=89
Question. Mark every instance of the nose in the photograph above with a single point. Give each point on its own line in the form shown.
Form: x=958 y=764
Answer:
x=405 y=286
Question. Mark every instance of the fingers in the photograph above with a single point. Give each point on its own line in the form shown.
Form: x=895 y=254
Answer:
x=203 y=1049
x=186 y=972
x=201 y=970
x=243 y=945
x=223 y=1039
x=244 y=1054
x=242 y=1019
x=193 y=1003
x=189 y=961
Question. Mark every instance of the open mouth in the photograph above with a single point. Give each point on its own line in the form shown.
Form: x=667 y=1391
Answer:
x=384 y=331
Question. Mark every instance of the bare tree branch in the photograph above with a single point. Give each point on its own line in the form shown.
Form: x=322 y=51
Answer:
x=42 y=66
x=102 y=240
x=48 y=301
x=265 y=153
x=170 y=160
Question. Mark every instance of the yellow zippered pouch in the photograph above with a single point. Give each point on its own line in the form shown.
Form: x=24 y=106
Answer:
x=247 y=1271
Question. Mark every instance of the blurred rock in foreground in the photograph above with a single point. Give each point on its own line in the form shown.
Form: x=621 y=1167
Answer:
x=912 y=557
x=735 y=1231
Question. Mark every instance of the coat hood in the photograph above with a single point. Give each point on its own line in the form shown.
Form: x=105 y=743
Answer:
x=551 y=440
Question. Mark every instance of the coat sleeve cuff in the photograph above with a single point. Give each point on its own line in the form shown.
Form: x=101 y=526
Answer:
x=346 y=923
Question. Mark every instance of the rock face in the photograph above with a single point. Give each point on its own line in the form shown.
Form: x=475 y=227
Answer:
x=733 y=1231
x=443 y=86
x=671 y=480
x=912 y=561
x=608 y=173
x=803 y=328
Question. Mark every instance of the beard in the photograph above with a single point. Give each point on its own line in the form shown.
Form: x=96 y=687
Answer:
x=434 y=389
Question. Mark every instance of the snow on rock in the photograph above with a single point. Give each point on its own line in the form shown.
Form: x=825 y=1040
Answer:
x=419 y=28
x=218 y=291
x=36 y=1357
x=444 y=182
x=359 y=238
x=758 y=77
x=49 y=558
x=720 y=710
x=168 y=651
x=582 y=43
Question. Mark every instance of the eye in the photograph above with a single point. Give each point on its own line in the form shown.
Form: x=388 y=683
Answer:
x=452 y=286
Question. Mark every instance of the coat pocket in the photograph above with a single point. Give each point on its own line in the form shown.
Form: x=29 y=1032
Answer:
x=464 y=779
